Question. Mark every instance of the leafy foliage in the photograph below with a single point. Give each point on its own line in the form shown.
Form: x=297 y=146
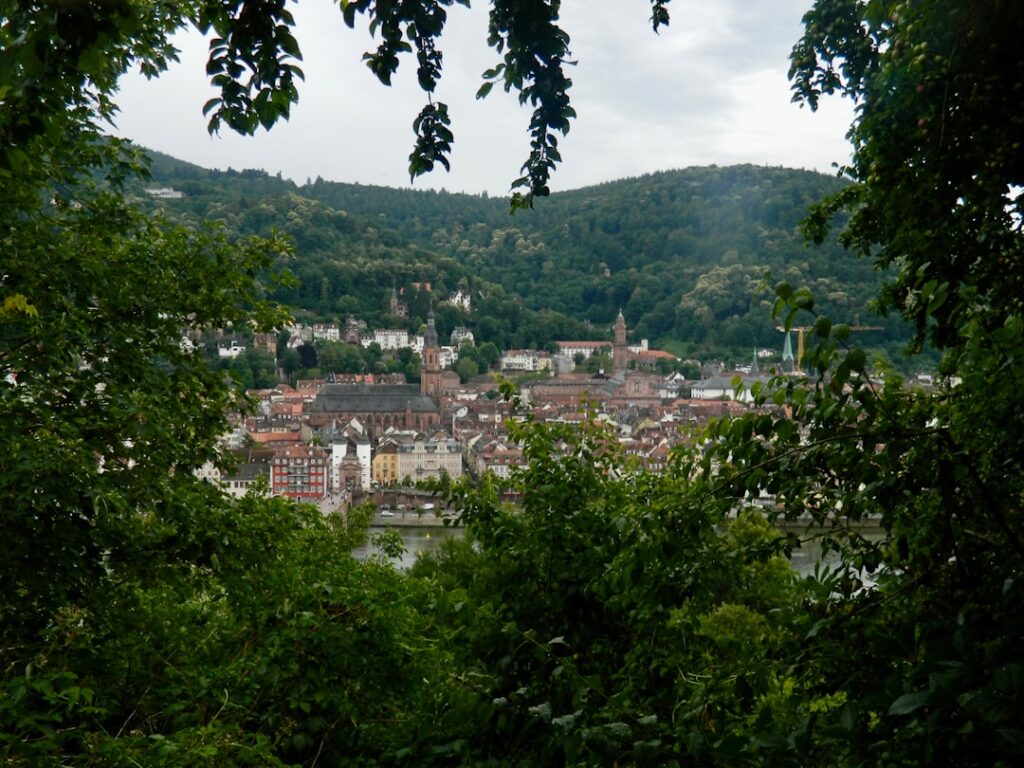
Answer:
x=613 y=617
x=937 y=162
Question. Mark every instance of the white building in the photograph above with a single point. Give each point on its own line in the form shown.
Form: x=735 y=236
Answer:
x=339 y=450
x=388 y=338
x=461 y=299
x=428 y=459
x=165 y=193
x=326 y=332
x=525 y=360
x=298 y=334
x=585 y=348
x=462 y=335
x=448 y=356
x=230 y=350
x=724 y=388
x=242 y=479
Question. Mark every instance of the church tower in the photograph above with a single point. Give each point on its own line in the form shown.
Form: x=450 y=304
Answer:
x=620 y=352
x=788 y=362
x=430 y=370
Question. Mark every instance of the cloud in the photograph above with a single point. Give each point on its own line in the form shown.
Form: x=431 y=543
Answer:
x=709 y=89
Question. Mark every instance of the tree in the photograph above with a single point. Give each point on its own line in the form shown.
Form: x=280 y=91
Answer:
x=125 y=581
x=620 y=617
x=291 y=361
x=936 y=164
x=97 y=385
x=308 y=355
x=907 y=649
x=466 y=368
x=490 y=354
x=935 y=173
x=335 y=357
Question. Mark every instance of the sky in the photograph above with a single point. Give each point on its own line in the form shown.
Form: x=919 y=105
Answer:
x=709 y=89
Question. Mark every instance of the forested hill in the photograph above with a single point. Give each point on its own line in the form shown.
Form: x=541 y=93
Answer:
x=680 y=252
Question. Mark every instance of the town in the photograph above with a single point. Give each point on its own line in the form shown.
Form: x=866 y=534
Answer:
x=341 y=439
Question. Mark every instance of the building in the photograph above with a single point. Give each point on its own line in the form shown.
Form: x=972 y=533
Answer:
x=350 y=463
x=461 y=299
x=230 y=349
x=165 y=193
x=300 y=472
x=724 y=388
x=246 y=477
x=378 y=407
x=498 y=457
x=353 y=333
x=620 y=350
x=429 y=459
x=648 y=358
x=388 y=339
x=461 y=335
x=384 y=465
x=529 y=360
x=585 y=348
x=430 y=370
x=396 y=307
x=266 y=342
x=326 y=332
x=448 y=356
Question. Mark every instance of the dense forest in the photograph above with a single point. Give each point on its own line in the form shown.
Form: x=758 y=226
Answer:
x=683 y=254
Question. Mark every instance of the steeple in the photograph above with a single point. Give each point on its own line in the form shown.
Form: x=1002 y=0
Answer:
x=620 y=352
x=430 y=371
x=430 y=335
x=788 y=361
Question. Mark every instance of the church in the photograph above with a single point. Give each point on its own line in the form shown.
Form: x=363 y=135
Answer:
x=379 y=407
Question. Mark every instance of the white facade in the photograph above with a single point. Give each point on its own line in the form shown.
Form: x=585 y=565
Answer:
x=388 y=338
x=448 y=356
x=585 y=348
x=298 y=334
x=236 y=485
x=525 y=360
x=338 y=453
x=208 y=472
x=461 y=299
x=462 y=335
x=723 y=388
x=326 y=332
x=165 y=193
x=423 y=459
x=232 y=350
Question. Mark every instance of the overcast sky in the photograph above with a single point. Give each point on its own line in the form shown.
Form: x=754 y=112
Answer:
x=709 y=89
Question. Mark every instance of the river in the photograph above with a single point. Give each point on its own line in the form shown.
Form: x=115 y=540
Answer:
x=419 y=539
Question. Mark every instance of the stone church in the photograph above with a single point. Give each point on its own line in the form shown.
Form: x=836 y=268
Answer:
x=381 y=406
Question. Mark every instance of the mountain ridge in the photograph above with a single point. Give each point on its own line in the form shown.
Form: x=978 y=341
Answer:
x=680 y=252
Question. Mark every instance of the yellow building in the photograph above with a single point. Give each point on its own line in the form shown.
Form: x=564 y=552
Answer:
x=384 y=465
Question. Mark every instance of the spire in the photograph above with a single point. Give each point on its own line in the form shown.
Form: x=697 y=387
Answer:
x=620 y=351
x=430 y=335
x=788 y=361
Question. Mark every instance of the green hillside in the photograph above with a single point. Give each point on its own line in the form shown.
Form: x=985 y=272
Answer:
x=682 y=253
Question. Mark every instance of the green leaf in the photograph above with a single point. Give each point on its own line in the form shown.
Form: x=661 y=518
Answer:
x=910 y=702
